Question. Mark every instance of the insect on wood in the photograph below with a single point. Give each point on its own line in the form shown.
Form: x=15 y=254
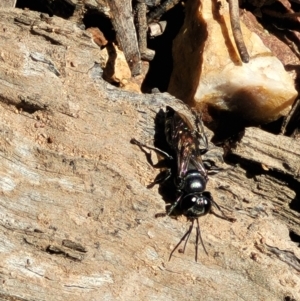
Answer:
x=189 y=171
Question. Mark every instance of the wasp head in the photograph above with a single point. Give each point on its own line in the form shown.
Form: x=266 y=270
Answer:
x=195 y=205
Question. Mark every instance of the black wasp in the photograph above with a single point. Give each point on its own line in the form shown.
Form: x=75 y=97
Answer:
x=189 y=171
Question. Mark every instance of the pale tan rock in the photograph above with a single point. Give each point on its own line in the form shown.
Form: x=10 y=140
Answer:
x=208 y=70
x=116 y=69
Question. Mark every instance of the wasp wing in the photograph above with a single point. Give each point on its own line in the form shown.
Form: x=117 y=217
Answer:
x=185 y=141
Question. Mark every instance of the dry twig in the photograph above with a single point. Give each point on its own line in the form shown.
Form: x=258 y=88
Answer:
x=236 y=30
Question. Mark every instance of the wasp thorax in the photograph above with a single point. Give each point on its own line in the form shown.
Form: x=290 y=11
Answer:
x=194 y=182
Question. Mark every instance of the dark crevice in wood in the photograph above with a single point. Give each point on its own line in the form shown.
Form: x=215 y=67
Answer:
x=54 y=250
x=291 y=123
x=24 y=105
x=94 y=18
x=251 y=168
x=60 y=8
x=289 y=298
x=273 y=127
x=161 y=66
x=224 y=124
x=295 y=205
x=47 y=37
x=29 y=107
x=295 y=237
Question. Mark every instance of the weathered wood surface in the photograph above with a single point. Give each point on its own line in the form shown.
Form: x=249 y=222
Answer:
x=281 y=154
x=76 y=220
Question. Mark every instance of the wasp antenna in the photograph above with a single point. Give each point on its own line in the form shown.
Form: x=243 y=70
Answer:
x=196 y=244
x=187 y=234
x=199 y=235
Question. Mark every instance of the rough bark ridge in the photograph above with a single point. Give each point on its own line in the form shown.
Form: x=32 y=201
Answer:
x=76 y=221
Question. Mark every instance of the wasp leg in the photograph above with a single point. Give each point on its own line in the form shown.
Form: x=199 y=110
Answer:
x=236 y=30
x=174 y=204
x=161 y=177
x=223 y=216
x=187 y=234
x=159 y=151
x=211 y=167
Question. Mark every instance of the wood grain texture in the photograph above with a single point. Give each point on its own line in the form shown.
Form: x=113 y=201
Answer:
x=76 y=220
x=278 y=153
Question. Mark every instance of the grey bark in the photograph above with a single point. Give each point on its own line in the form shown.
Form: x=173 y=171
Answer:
x=76 y=220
